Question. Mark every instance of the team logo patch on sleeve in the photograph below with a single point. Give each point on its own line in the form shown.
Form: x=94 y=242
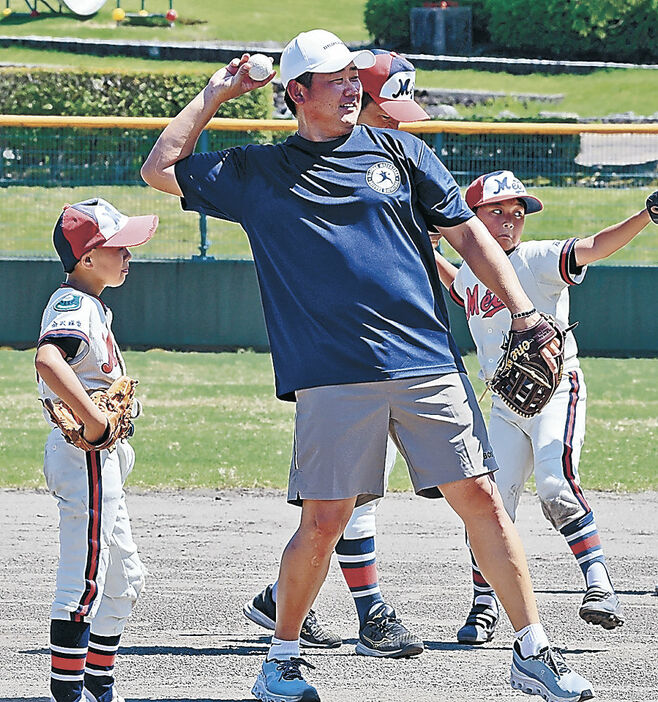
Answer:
x=383 y=177
x=68 y=303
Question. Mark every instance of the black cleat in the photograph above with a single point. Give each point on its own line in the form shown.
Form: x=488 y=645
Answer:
x=601 y=607
x=384 y=636
x=262 y=611
x=480 y=625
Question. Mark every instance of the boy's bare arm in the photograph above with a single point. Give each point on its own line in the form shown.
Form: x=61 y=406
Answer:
x=60 y=378
x=607 y=241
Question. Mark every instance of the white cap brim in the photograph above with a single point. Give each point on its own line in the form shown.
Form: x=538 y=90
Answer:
x=136 y=231
x=361 y=59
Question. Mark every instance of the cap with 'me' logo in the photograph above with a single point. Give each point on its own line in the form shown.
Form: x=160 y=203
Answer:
x=499 y=186
x=390 y=83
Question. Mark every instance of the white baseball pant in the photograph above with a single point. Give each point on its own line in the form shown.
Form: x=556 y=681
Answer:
x=362 y=524
x=550 y=444
x=99 y=575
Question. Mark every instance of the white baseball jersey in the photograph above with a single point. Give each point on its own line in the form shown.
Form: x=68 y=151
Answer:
x=543 y=271
x=71 y=313
x=550 y=443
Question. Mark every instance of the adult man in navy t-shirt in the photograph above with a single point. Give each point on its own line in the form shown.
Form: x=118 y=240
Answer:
x=337 y=217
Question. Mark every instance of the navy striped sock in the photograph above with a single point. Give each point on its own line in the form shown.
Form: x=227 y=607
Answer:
x=483 y=593
x=68 y=651
x=357 y=560
x=585 y=544
x=99 y=671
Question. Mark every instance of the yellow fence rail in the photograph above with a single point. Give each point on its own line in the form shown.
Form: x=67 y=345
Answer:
x=289 y=125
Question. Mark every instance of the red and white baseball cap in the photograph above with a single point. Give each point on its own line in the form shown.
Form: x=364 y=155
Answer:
x=390 y=83
x=319 y=51
x=95 y=224
x=499 y=186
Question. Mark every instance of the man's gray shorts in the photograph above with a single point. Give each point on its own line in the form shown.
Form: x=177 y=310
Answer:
x=341 y=430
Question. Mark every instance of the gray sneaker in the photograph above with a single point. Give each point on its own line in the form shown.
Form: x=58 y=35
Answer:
x=480 y=625
x=384 y=636
x=314 y=635
x=601 y=607
x=262 y=611
x=548 y=675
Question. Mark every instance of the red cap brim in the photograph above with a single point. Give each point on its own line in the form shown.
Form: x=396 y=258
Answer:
x=138 y=230
x=403 y=110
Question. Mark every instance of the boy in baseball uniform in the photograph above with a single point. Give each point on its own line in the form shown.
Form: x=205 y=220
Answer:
x=549 y=444
x=99 y=574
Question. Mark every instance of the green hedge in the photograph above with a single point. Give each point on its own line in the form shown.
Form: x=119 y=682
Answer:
x=536 y=159
x=608 y=30
x=51 y=157
x=588 y=29
x=52 y=92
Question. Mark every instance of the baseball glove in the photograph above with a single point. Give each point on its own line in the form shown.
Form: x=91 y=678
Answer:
x=523 y=379
x=115 y=403
x=652 y=206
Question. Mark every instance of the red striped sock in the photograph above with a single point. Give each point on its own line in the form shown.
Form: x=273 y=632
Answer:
x=99 y=671
x=68 y=650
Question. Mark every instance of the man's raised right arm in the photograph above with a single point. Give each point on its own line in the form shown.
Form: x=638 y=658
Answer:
x=179 y=137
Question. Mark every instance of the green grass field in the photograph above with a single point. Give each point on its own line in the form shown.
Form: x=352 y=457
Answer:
x=592 y=95
x=202 y=20
x=211 y=420
x=568 y=212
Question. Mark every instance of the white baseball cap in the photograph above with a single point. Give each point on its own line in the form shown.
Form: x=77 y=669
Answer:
x=319 y=51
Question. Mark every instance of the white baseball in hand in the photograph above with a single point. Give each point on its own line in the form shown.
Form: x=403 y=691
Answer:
x=261 y=66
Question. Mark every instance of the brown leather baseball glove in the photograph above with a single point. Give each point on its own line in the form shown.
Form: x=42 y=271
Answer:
x=523 y=379
x=115 y=403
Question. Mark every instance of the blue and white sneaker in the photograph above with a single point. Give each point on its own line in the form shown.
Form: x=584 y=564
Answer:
x=548 y=675
x=282 y=681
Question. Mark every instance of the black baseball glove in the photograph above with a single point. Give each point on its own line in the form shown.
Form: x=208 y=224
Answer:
x=652 y=206
x=523 y=379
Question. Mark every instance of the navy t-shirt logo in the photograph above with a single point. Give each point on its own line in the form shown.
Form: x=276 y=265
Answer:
x=383 y=177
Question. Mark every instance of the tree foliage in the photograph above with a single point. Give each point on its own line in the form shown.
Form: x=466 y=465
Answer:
x=607 y=30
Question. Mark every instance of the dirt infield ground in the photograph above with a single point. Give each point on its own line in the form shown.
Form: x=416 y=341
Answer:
x=208 y=552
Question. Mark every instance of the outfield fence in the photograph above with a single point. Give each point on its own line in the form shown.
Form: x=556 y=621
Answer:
x=589 y=176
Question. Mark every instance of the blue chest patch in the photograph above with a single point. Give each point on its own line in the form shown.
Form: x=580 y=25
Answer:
x=69 y=303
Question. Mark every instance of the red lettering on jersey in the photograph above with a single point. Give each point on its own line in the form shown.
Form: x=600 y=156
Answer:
x=491 y=304
x=488 y=306
x=112 y=360
x=472 y=302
